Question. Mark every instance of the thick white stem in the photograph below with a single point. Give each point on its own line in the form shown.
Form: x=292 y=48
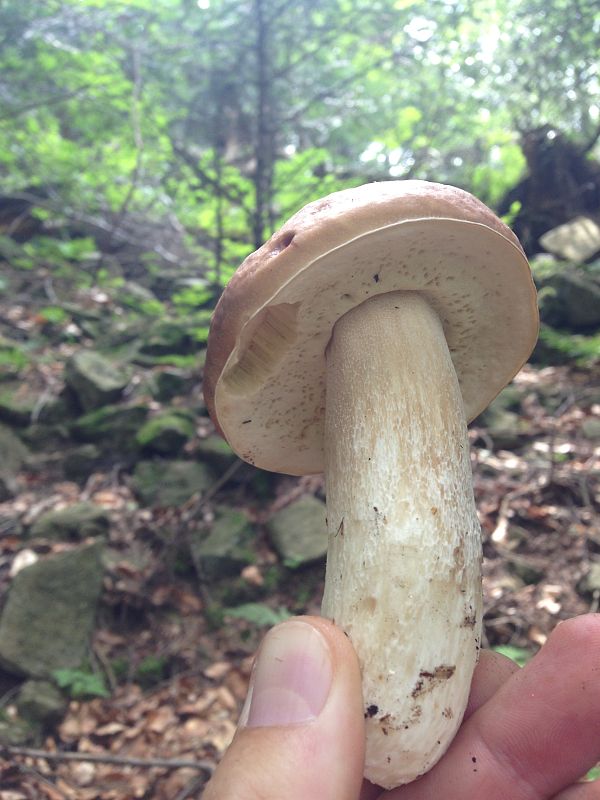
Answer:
x=403 y=566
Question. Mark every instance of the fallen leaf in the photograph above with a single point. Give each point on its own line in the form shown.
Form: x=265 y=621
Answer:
x=217 y=670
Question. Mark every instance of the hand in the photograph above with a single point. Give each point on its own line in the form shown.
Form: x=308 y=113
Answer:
x=528 y=734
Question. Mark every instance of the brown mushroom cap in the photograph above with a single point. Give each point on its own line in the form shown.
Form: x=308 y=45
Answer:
x=264 y=379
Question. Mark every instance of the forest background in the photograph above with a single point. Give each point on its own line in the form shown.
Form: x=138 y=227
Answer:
x=146 y=147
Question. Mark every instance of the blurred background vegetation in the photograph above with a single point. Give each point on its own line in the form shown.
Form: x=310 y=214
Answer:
x=190 y=129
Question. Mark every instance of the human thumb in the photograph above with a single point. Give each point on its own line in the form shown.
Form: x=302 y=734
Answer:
x=301 y=733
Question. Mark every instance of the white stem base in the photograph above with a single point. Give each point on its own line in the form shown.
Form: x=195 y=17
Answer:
x=403 y=568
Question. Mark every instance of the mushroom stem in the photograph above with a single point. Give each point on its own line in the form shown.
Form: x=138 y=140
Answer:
x=404 y=561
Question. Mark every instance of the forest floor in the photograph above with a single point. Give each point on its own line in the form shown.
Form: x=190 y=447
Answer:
x=538 y=504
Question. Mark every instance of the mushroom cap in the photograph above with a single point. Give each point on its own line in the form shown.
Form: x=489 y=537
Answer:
x=264 y=378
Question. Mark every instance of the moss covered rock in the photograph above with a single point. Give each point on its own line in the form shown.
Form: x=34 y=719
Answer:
x=299 y=531
x=112 y=427
x=14 y=455
x=166 y=433
x=162 y=483
x=95 y=380
x=227 y=548
x=49 y=614
x=74 y=523
x=40 y=702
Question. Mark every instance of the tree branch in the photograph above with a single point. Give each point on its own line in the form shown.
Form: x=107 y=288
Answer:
x=47 y=101
x=107 y=758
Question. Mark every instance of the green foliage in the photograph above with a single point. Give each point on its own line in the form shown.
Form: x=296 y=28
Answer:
x=593 y=774
x=194 y=296
x=189 y=133
x=53 y=314
x=258 y=614
x=518 y=654
x=79 y=683
x=152 y=670
x=562 y=347
x=12 y=356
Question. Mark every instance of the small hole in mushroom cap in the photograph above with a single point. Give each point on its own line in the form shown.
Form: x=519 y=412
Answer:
x=281 y=242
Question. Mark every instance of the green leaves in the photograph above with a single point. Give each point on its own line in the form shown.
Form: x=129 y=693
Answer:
x=517 y=654
x=258 y=614
x=80 y=684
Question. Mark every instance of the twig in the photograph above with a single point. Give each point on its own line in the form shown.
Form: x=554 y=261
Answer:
x=194 y=508
x=30 y=772
x=106 y=758
x=190 y=789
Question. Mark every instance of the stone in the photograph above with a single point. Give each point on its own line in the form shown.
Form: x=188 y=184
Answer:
x=570 y=299
x=48 y=618
x=299 y=531
x=40 y=702
x=590 y=583
x=14 y=456
x=524 y=568
x=170 y=383
x=162 y=483
x=113 y=427
x=590 y=429
x=576 y=240
x=74 y=523
x=79 y=462
x=227 y=548
x=166 y=434
x=95 y=380
x=17 y=403
x=215 y=451
x=167 y=337
x=16 y=733
x=507 y=429
x=136 y=296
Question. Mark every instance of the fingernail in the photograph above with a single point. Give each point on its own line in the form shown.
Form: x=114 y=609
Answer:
x=291 y=678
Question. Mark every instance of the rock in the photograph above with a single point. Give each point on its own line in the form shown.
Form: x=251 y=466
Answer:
x=17 y=403
x=576 y=240
x=524 y=568
x=14 y=455
x=16 y=733
x=169 y=383
x=299 y=531
x=79 y=462
x=570 y=299
x=40 y=702
x=136 y=296
x=227 y=548
x=166 y=434
x=114 y=428
x=215 y=451
x=74 y=523
x=169 y=337
x=170 y=483
x=46 y=438
x=94 y=379
x=590 y=429
x=506 y=428
x=49 y=613
x=590 y=583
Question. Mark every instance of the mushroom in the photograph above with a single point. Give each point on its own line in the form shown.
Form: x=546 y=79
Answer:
x=359 y=341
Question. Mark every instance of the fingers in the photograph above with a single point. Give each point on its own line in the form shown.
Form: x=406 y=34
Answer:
x=492 y=672
x=301 y=733
x=536 y=736
x=580 y=791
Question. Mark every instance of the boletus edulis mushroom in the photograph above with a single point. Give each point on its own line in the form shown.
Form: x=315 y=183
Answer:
x=359 y=341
